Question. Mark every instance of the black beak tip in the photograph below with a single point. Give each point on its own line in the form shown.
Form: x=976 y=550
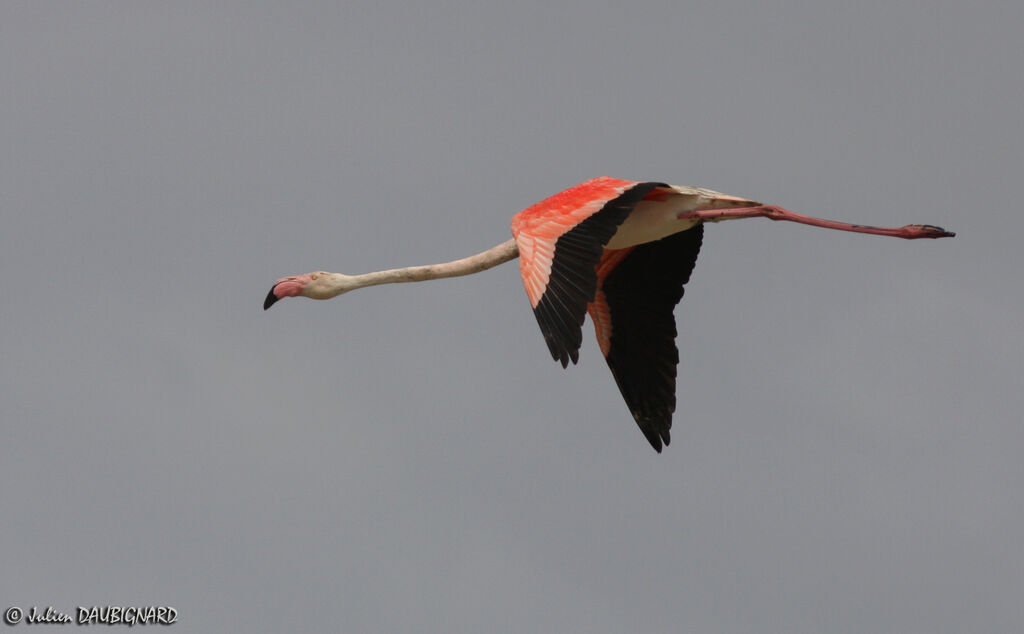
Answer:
x=271 y=298
x=939 y=232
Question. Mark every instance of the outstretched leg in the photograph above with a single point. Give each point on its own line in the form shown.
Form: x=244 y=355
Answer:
x=909 y=232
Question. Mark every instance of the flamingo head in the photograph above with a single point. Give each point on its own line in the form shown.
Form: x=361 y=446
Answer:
x=315 y=285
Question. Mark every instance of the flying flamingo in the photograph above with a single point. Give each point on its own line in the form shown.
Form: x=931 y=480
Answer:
x=616 y=249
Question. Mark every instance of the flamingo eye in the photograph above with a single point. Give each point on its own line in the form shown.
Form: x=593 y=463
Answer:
x=314 y=276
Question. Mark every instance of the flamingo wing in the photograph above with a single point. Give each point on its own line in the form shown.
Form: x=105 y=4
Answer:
x=636 y=330
x=560 y=241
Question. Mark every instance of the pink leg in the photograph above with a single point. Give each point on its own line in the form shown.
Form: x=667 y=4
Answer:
x=910 y=232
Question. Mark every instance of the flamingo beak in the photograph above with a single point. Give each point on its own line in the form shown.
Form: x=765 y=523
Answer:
x=286 y=287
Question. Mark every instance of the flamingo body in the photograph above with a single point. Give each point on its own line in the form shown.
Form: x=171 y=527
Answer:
x=617 y=250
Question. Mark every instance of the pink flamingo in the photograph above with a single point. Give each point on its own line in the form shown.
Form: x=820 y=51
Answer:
x=616 y=249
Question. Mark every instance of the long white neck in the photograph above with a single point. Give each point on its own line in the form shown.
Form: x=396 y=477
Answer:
x=336 y=283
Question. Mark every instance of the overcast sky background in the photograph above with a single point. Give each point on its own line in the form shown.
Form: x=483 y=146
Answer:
x=847 y=452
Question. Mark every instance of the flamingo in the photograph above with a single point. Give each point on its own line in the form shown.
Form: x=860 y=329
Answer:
x=619 y=250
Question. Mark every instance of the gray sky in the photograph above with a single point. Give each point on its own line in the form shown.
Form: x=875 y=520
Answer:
x=846 y=454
